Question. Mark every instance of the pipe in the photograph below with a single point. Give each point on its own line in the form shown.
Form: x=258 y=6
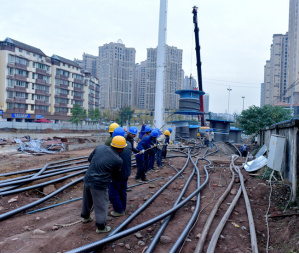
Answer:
x=40 y=184
x=209 y=221
x=25 y=207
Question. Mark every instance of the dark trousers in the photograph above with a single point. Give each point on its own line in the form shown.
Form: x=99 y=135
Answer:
x=99 y=199
x=164 y=152
x=244 y=153
x=118 y=194
x=140 y=168
x=159 y=157
x=146 y=162
x=207 y=142
x=152 y=157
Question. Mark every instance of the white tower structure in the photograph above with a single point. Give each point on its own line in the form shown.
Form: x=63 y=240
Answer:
x=159 y=99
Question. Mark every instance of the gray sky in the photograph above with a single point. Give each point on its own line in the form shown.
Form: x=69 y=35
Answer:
x=235 y=35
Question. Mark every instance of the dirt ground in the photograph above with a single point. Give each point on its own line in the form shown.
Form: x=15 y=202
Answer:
x=20 y=234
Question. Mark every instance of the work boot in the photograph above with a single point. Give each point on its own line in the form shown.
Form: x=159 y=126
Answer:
x=138 y=180
x=116 y=214
x=105 y=230
x=147 y=173
x=128 y=189
x=86 y=220
x=145 y=180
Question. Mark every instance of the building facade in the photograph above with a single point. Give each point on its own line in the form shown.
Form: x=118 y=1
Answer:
x=116 y=74
x=140 y=85
x=92 y=92
x=262 y=102
x=172 y=77
x=190 y=83
x=34 y=85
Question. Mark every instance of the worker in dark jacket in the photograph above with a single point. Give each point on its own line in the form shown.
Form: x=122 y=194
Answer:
x=111 y=129
x=164 y=149
x=118 y=186
x=142 y=132
x=148 y=131
x=152 y=153
x=97 y=179
x=143 y=145
x=130 y=138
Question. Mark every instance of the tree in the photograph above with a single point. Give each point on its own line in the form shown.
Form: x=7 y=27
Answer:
x=77 y=112
x=107 y=114
x=255 y=118
x=97 y=114
x=125 y=114
x=91 y=114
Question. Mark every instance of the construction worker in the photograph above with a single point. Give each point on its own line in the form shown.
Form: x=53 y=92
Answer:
x=164 y=149
x=152 y=153
x=111 y=129
x=147 y=131
x=118 y=186
x=244 y=150
x=160 y=145
x=211 y=138
x=97 y=179
x=130 y=138
x=143 y=145
x=142 y=132
x=207 y=138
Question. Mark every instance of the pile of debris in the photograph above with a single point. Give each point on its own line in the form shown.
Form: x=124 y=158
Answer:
x=39 y=146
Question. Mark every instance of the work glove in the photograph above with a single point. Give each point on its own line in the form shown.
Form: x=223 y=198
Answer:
x=142 y=152
x=170 y=142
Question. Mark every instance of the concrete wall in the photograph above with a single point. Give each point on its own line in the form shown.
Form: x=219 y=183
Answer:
x=71 y=147
x=290 y=167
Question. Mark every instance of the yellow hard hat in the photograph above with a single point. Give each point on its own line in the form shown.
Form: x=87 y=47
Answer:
x=119 y=142
x=113 y=126
x=167 y=133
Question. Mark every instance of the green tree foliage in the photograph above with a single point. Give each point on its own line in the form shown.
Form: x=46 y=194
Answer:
x=77 y=115
x=125 y=114
x=107 y=114
x=255 y=118
x=91 y=115
x=97 y=114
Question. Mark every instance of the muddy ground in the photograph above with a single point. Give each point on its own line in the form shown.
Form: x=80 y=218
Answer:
x=20 y=233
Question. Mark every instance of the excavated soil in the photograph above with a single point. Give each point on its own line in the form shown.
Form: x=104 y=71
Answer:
x=19 y=233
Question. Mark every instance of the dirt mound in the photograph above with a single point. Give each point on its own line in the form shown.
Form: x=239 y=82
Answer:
x=225 y=149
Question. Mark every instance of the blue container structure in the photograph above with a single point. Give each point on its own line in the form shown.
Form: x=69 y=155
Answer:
x=235 y=135
x=193 y=130
x=221 y=129
x=181 y=129
x=189 y=102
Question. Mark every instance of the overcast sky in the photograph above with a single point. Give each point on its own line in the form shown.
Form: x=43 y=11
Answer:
x=235 y=35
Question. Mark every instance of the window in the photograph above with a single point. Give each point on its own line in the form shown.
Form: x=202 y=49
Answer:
x=10 y=83
x=34 y=54
x=33 y=64
x=32 y=75
x=20 y=50
x=32 y=86
x=27 y=52
x=9 y=94
x=32 y=107
x=9 y=105
x=21 y=83
x=10 y=71
x=11 y=59
x=40 y=57
x=32 y=96
x=22 y=72
x=63 y=64
x=69 y=66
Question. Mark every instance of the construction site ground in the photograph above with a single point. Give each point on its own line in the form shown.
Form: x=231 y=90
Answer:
x=19 y=234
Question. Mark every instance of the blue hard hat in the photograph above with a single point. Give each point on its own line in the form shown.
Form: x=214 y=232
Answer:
x=244 y=144
x=154 y=133
x=170 y=129
x=207 y=130
x=133 y=130
x=119 y=131
x=147 y=129
x=211 y=129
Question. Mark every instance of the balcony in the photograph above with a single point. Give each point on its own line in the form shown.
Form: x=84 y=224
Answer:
x=97 y=96
x=62 y=95
x=16 y=110
x=64 y=86
x=9 y=100
x=19 y=100
x=91 y=87
x=10 y=65
x=41 y=92
x=60 y=114
x=77 y=89
x=20 y=89
x=62 y=77
x=97 y=103
x=76 y=97
x=40 y=71
x=42 y=103
x=78 y=81
x=97 y=89
x=91 y=95
x=20 y=77
x=61 y=104
x=21 y=66
x=10 y=76
x=42 y=111
x=40 y=81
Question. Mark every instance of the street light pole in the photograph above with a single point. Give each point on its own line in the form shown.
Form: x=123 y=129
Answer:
x=229 y=89
x=243 y=101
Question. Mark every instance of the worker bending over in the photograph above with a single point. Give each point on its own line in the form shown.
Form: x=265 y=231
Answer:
x=160 y=146
x=164 y=150
x=111 y=129
x=143 y=145
x=118 y=186
x=207 y=138
x=97 y=179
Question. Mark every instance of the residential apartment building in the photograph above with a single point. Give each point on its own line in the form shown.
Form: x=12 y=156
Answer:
x=140 y=85
x=172 y=77
x=92 y=92
x=293 y=52
x=275 y=71
x=34 y=86
x=262 y=102
x=116 y=74
x=189 y=82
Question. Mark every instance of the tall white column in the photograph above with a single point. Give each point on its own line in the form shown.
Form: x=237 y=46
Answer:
x=159 y=97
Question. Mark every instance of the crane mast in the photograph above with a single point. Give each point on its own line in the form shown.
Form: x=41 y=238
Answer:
x=198 y=62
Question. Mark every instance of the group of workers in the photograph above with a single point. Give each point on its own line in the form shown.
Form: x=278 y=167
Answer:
x=209 y=138
x=110 y=167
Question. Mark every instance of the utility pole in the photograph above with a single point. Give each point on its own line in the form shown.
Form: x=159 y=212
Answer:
x=229 y=89
x=243 y=97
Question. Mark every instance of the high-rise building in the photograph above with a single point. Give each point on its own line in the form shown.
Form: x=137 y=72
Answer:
x=92 y=92
x=189 y=83
x=116 y=74
x=275 y=71
x=293 y=52
x=172 y=77
x=89 y=64
x=140 y=85
x=262 y=103
x=206 y=103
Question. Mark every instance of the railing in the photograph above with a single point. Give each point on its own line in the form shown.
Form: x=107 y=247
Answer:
x=40 y=81
x=76 y=97
x=64 y=86
x=41 y=102
x=21 y=66
x=60 y=113
x=16 y=110
x=77 y=89
x=19 y=89
x=78 y=81
x=62 y=77
x=63 y=95
x=20 y=77
x=40 y=71
x=19 y=100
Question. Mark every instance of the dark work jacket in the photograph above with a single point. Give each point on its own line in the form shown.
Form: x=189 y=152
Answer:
x=104 y=161
x=167 y=140
x=142 y=132
x=126 y=167
x=144 y=144
x=131 y=140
